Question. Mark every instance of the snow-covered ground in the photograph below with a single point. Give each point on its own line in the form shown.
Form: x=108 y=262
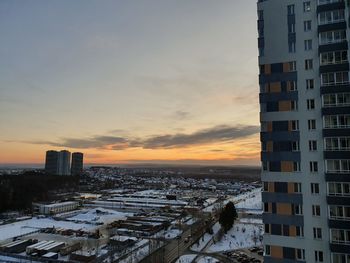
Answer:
x=186 y=258
x=204 y=240
x=206 y=260
x=240 y=236
x=249 y=200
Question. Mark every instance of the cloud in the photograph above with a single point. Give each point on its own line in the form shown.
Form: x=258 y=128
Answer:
x=221 y=133
x=181 y=115
x=216 y=134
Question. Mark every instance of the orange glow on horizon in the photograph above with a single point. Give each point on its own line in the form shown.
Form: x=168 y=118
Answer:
x=244 y=151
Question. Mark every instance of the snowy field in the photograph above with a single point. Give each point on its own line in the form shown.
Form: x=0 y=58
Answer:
x=204 y=240
x=240 y=236
x=250 y=200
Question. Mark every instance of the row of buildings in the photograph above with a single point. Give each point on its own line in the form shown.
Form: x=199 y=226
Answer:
x=305 y=129
x=59 y=163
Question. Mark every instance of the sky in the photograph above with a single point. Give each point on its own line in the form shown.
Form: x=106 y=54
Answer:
x=134 y=81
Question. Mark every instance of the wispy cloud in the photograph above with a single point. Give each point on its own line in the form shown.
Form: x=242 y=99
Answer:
x=217 y=134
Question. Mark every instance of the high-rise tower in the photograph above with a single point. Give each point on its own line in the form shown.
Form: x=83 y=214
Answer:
x=64 y=163
x=51 y=162
x=77 y=163
x=305 y=129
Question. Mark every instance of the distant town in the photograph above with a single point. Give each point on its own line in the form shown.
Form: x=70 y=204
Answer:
x=128 y=214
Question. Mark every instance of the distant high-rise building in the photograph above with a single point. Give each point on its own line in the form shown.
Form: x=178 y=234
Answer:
x=77 y=163
x=51 y=162
x=64 y=163
x=305 y=129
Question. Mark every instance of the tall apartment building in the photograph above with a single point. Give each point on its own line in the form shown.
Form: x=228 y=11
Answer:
x=57 y=163
x=77 y=163
x=51 y=162
x=305 y=129
x=64 y=163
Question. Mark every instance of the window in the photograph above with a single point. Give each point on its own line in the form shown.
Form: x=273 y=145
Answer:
x=266 y=186
x=330 y=37
x=267 y=228
x=338 y=166
x=292 y=66
x=310 y=104
x=316 y=210
x=308 y=64
x=313 y=167
x=299 y=231
x=296 y=167
x=300 y=254
x=307 y=25
x=294 y=105
x=340 y=258
x=290 y=9
x=267 y=250
x=266 y=207
x=311 y=124
x=318 y=256
x=292 y=85
x=340 y=236
x=315 y=188
x=337 y=143
x=291 y=28
x=336 y=121
x=317 y=233
x=335 y=78
x=340 y=189
x=295 y=125
x=307 y=44
x=295 y=146
x=291 y=47
x=307 y=6
x=339 y=212
x=329 y=17
x=336 y=99
x=312 y=145
x=309 y=84
x=297 y=187
x=297 y=209
x=334 y=57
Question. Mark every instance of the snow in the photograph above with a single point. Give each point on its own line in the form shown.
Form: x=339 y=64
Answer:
x=186 y=258
x=28 y=226
x=103 y=216
x=240 y=236
x=248 y=220
x=204 y=240
x=172 y=233
x=249 y=200
x=207 y=260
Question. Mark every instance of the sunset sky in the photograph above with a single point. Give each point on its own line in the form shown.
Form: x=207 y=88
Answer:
x=129 y=81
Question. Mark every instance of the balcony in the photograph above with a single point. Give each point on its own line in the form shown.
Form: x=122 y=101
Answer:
x=334 y=67
x=338 y=200
x=333 y=46
x=332 y=26
x=334 y=5
x=335 y=110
